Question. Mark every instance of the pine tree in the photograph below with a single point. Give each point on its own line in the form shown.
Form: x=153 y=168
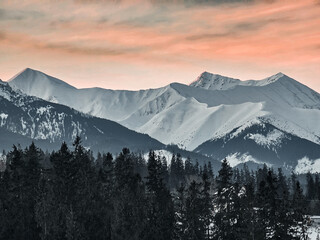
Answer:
x=20 y=192
x=177 y=174
x=45 y=209
x=299 y=213
x=129 y=217
x=55 y=194
x=140 y=165
x=195 y=228
x=32 y=157
x=210 y=171
x=207 y=205
x=155 y=177
x=310 y=187
x=189 y=168
x=263 y=208
x=180 y=216
x=165 y=171
x=225 y=217
x=293 y=181
x=196 y=168
x=161 y=216
x=245 y=210
x=4 y=203
x=173 y=172
x=284 y=211
x=225 y=176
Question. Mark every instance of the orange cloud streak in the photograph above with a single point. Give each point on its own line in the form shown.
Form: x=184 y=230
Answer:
x=131 y=35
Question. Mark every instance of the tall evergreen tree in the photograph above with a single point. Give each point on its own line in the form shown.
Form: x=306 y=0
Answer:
x=195 y=228
x=207 y=210
x=299 y=213
x=32 y=157
x=311 y=189
x=129 y=216
x=225 y=217
x=161 y=216
x=180 y=214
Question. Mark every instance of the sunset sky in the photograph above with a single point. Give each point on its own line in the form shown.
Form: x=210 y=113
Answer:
x=139 y=44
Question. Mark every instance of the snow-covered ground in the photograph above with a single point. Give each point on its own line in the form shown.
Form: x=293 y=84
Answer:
x=314 y=229
x=313 y=233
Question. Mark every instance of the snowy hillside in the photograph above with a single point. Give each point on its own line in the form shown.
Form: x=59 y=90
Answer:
x=209 y=108
x=110 y=104
x=24 y=117
x=261 y=143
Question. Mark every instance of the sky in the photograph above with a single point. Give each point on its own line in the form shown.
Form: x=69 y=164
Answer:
x=140 y=44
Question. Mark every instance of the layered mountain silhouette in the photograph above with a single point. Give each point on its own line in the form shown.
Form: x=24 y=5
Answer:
x=215 y=115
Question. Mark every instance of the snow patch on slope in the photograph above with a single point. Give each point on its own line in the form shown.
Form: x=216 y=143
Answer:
x=307 y=165
x=3 y=118
x=272 y=139
x=241 y=128
x=237 y=158
x=5 y=95
x=43 y=110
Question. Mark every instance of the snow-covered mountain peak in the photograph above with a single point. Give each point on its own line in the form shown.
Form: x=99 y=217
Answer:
x=212 y=81
x=279 y=75
x=39 y=84
x=30 y=77
x=274 y=78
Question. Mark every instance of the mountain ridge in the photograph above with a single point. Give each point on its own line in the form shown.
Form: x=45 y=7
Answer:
x=212 y=81
x=189 y=116
x=37 y=119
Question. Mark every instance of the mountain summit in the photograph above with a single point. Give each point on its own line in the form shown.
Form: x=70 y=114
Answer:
x=212 y=81
x=30 y=76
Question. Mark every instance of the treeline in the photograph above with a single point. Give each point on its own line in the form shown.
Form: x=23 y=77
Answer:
x=78 y=196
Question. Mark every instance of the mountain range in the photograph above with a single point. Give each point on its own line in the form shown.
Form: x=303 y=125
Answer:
x=274 y=120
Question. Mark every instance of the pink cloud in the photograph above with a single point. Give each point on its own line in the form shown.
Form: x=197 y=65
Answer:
x=135 y=35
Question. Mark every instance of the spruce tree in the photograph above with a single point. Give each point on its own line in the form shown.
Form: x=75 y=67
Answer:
x=17 y=202
x=225 y=217
x=180 y=214
x=129 y=217
x=32 y=157
x=310 y=187
x=299 y=213
x=195 y=228
x=161 y=216
x=207 y=210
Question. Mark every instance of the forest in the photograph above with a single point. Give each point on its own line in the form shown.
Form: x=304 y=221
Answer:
x=70 y=194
